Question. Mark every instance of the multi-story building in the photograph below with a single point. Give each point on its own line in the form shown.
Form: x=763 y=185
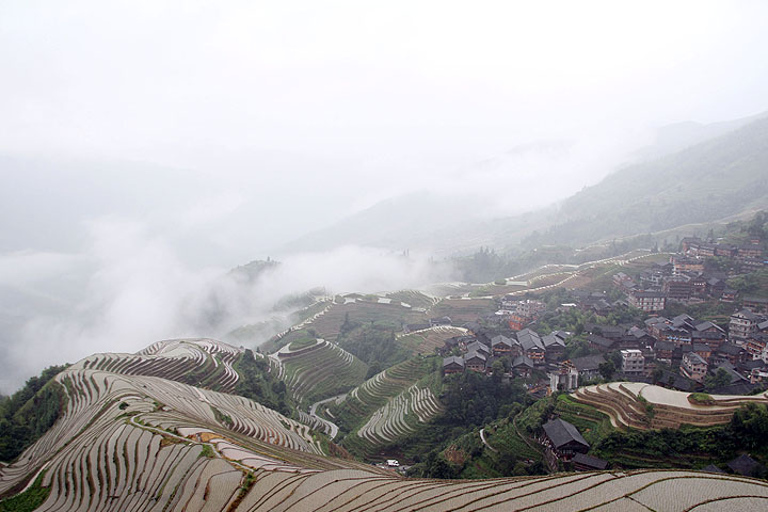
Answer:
x=742 y=325
x=530 y=308
x=647 y=300
x=684 y=264
x=694 y=366
x=564 y=378
x=678 y=288
x=632 y=362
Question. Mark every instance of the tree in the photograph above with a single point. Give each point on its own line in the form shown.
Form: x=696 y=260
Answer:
x=498 y=369
x=607 y=369
x=720 y=379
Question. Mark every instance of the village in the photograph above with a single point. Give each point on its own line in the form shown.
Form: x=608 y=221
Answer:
x=679 y=352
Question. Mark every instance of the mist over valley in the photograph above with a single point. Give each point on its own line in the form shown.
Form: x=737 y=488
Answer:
x=301 y=256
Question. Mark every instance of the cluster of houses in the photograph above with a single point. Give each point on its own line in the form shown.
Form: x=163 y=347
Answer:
x=519 y=313
x=689 y=349
x=686 y=279
x=748 y=257
x=526 y=350
x=693 y=349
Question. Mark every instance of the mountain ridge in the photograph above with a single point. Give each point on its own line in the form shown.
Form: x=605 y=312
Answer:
x=731 y=147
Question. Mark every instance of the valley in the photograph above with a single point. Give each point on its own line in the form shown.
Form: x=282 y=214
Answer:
x=363 y=379
x=593 y=367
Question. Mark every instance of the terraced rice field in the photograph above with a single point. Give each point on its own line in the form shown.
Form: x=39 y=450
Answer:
x=329 y=324
x=463 y=310
x=625 y=404
x=384 y=386
x=414 y=298
x=203 y=362
x=215 y=485
x=401 y=415
x=320 y=371
x=131 y=442
x=128 y=439
x=427 y=340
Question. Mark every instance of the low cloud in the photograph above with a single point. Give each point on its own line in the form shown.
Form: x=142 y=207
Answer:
x=140 y=291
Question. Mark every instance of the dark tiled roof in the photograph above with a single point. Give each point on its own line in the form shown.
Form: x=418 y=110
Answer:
x=745 y=465
x=737 y=388
x=561 y=433
x=550 y=340
x=522 y=361
x=474 y=355
x=453 y=360
x=529 y=340
x=748 y=314
x=707 y=325
x=749 y=365
x=609 y=331
x=478 y=347
x=638 y=333
x=589 y=461
x=730 y=349
x=695 y=358
x=474 y=327
x=501 y=340
x=588 y=363
x=600 y=341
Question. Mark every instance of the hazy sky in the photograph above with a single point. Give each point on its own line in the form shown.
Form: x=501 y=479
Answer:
x=350 y=102
x=185 y=83
x=146 y=146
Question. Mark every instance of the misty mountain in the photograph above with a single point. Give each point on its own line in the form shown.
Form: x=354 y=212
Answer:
x=460 y=211
x=693 y=173
x=679 y=136
x=420 y=220
x=710 y=181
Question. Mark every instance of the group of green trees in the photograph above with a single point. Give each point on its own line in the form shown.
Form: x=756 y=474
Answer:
x=748 y=429
x=259 y=384
x=373 y=343
x=472 y=401
x=692 y=447
x=30 y=412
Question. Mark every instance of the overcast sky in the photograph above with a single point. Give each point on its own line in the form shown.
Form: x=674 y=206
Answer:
x=350 y=102
x=206 y=134
x=175 y=81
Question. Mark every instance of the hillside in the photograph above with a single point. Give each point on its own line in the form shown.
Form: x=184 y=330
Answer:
x=318 y=370
x=713 y=180
x=695 y=174
x=130 y=440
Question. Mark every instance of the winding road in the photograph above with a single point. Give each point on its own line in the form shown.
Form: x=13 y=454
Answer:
x=332 y=426
x=485 y=442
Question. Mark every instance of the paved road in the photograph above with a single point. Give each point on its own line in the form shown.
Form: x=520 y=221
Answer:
x=313 y=412
x=485 y=442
